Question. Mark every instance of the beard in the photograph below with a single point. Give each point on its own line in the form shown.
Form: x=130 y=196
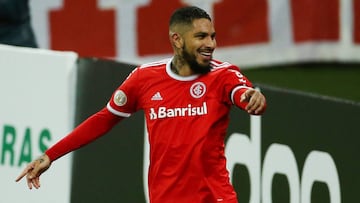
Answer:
x=194 y=65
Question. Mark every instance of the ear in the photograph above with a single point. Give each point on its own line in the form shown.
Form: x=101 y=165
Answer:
x=176 y=40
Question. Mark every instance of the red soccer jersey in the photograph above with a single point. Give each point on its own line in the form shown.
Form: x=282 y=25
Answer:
x=187 y=119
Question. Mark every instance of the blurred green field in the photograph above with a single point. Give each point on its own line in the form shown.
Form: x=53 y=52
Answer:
x=330 y=79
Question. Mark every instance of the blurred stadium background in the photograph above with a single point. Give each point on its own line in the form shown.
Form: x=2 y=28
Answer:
x=305 y=55
x=338 y=80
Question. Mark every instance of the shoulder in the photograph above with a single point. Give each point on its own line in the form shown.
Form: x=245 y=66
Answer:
x=219 y=66
x=150 y=69
x=154 y=65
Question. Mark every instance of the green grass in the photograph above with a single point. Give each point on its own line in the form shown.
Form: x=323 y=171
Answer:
x=330 y=79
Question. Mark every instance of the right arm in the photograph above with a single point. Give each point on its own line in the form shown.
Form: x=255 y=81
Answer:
x=91 y=129
x=123 y=101
x=88 y=131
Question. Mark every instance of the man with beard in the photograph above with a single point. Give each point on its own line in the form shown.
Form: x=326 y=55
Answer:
x=186 y=100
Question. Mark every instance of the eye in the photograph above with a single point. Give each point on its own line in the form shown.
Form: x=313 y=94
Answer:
x=213 y=36
x=200 y=35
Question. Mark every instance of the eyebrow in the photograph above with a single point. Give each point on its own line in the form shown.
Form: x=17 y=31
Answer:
x=205 y=34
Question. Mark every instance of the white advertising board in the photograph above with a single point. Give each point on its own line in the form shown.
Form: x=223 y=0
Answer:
x=37 y=106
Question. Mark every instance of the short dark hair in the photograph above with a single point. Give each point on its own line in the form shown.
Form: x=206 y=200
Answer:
x=186 y=15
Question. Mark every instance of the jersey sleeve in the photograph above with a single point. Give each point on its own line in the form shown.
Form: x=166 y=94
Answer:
x=122 y=103
x=92 y=128
x=124 y=99
x=235 y=84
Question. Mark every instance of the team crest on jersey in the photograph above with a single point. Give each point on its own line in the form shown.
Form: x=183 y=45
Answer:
x=120 y=98
x=198 y=89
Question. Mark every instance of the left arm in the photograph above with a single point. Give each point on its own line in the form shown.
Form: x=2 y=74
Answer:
x=242 y=93
x=251 y=100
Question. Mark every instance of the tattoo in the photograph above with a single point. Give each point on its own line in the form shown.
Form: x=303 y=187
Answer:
x=41 y=159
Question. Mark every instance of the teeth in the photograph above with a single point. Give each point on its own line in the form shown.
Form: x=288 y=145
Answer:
x=206 y=54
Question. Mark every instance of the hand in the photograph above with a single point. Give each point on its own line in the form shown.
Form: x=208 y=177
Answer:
x=256 y=101
x=33 y=171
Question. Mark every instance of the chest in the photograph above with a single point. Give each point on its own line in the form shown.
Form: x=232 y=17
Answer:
x=170 y=93
x=171 y=99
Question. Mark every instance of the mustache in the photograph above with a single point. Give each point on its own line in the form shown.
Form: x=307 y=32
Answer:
x=211 y=50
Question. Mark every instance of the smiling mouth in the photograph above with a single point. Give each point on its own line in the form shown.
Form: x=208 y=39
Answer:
x=206 y=54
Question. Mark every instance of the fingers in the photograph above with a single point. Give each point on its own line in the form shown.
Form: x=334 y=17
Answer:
x=29 y=183
x=246 y=95
x=28 y=168
x=22 y=174
x=33 y=176
x=34 y=170
x=257 y=102
x=26 y=172
x=35 y=182
x=256 y=108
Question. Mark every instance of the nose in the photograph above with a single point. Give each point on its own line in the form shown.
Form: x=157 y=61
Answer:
x=210 y=42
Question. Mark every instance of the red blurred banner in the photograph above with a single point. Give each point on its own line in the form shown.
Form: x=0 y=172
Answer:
x=249 y=32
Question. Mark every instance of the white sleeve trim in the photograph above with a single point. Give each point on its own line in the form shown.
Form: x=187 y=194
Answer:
x=236 y=89
x=118 y=113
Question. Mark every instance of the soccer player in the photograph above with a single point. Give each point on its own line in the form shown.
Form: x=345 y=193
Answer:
x=186 y=101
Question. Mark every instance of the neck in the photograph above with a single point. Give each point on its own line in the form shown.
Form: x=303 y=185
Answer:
x=180 y=67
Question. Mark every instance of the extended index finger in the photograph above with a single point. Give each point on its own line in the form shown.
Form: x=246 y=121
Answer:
x=24 y=172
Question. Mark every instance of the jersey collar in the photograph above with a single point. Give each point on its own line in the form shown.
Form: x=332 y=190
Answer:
x=178 y=77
